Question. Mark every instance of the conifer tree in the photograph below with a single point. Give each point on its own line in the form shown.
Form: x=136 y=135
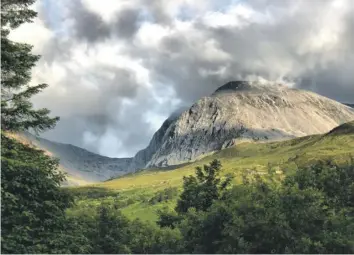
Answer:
x=32 y=203
x=17 y=112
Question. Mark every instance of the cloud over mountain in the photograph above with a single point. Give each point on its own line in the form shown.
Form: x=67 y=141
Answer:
x=117 y=70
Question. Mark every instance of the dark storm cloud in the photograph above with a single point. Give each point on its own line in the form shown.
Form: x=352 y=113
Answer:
x=88 y=25
x=334 y=82
x=91 y=27
x=98 y=109
x=269 y=50
x=126 y=23
x=307 y=42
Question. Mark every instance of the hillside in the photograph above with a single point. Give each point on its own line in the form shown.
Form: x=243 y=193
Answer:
x=346 y=128
x=81 y=165
x=136 y=190
x=235 y=113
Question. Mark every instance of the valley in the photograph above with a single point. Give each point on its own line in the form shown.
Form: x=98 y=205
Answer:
x=250 y=127
x=236 y=113
x=133 y=192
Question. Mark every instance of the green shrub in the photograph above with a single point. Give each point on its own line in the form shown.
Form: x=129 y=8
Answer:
x=164 y=195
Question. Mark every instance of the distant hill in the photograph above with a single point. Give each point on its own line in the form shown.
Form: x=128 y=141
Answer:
x=350 y=105
x=347 y=128
x=81 y=165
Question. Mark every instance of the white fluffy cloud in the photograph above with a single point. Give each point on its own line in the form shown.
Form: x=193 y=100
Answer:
x=117 y=69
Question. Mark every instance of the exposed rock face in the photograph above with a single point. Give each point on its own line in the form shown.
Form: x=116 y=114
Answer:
x=241 y=111
x=236 y=112
x=144 y=156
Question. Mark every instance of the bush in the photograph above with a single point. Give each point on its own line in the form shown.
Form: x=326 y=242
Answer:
x=164 y=195
x=92 y=192
x=110 y=232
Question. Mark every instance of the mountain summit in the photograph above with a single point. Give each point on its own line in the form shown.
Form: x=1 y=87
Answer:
x=241 y=111
x=245 y=86
x=236 y=112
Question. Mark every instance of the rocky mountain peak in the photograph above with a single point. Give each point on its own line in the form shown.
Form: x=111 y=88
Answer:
x=241 y=111
x=248 y=87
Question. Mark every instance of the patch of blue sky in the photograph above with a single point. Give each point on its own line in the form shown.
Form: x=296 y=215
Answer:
x=145 y=16
x=53 y=14
x=186 y=12
x=224 y=5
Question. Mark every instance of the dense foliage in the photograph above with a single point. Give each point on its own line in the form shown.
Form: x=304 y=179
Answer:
x=201 y=190
x=32 y=203
x=109 y=232
x=311 y=211
x=17 y=112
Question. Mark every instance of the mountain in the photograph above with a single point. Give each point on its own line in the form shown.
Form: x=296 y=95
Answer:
x=237 y=112
x=241 y=111
x=350 y=105
x=81 y=165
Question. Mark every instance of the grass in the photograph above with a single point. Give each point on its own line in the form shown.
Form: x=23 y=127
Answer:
x=133 y=192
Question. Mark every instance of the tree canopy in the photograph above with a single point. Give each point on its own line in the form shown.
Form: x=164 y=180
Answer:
x=17 y=61
x=32 y=203
x=311 y=211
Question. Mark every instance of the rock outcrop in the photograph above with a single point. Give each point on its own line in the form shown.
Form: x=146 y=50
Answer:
x=241 y=111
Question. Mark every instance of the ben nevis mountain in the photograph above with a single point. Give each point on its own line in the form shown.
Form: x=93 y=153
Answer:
x=239 y=111
x=242 y=111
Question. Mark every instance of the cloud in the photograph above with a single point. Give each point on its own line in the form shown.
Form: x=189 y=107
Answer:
x=88 y=25
x=117 y=70
x=126 y=23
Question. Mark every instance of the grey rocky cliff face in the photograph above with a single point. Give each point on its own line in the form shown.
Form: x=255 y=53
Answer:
x=142 y=157
x=236 y=112
x=241 y=111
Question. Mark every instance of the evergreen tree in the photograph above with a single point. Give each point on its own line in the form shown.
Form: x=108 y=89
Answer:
x=17 y=111
x=32 y=203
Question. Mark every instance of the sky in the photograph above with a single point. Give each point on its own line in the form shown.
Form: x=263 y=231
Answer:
x=117 y=69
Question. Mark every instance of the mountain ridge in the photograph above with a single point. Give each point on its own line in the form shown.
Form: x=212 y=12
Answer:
x=81 y=165
x=237 y=112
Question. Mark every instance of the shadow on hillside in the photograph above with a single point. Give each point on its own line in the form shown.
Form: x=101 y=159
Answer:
x=344 y=129
x=92 y=192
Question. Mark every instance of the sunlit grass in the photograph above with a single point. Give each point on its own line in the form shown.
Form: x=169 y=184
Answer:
x=132 y=192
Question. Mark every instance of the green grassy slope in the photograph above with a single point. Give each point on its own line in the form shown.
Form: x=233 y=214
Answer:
x=133 y=192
